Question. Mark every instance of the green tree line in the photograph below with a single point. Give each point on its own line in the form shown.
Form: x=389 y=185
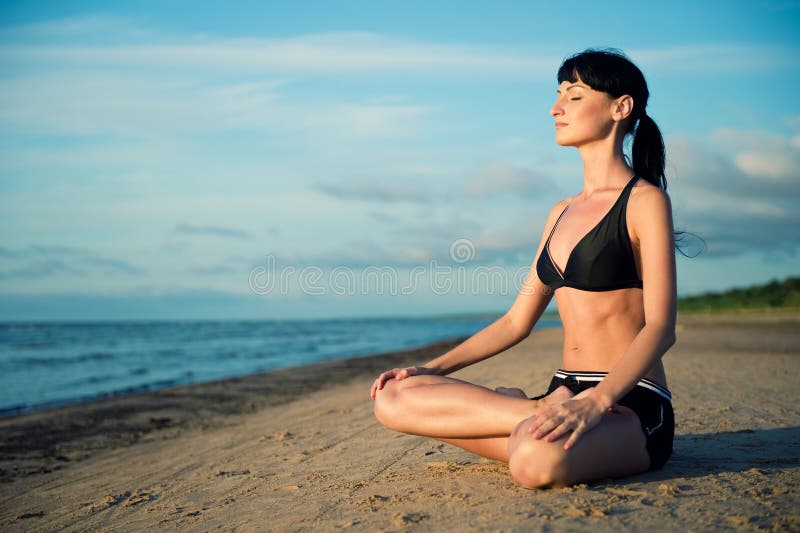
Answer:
x=773 y=295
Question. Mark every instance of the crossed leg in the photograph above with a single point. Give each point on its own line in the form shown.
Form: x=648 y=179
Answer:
x=616 y=447
x=451 y=410
x=494 y=425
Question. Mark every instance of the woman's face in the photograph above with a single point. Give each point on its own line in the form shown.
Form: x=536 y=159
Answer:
x=582 y=115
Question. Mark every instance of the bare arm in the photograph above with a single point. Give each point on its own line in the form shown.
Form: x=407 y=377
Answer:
x=652 y=225
x=491 y=340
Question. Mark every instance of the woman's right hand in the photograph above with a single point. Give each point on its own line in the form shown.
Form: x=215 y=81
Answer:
x=398 y=374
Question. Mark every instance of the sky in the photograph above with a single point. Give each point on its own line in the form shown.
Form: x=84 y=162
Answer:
x=324 y=159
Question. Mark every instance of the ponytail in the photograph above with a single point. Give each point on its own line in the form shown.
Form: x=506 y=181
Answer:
x=648 y=162
x=648 y=152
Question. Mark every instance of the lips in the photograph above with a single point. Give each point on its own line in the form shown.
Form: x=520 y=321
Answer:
x=560 y=124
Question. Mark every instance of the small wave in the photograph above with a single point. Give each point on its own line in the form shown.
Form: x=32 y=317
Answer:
x=170 y=352
x=33 y=345
x=94 y=356
x=63 y=360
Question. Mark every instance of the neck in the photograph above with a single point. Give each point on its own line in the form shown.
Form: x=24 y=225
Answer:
x=604 y=165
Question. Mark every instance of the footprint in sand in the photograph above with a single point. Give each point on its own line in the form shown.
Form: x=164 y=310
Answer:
x=232 y=473
x=405 y=519
x=374 y=502
x=140 y=497
x=109 y=501
x=25 y=516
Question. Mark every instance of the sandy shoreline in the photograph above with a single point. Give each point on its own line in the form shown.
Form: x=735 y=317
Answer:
x=295 y=450
x=49 y=440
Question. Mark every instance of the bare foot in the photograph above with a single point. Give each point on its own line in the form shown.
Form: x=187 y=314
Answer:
x=514 y=392
x=560 y=395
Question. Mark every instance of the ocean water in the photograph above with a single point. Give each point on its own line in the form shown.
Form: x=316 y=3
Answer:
x=44 y=365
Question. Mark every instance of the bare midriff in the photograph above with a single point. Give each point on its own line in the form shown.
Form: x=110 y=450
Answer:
x=599 y=327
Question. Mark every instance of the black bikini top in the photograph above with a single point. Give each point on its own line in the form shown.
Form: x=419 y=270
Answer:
x=602 y=260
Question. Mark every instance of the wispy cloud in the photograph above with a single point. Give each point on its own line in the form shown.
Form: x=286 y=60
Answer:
x=723 y=57
x=212 y=231
x=147 y=104
x=374 y=191
x=218 y=270
x=121 y=44
x=502 y=178
x=42 y=261
x=323 y=53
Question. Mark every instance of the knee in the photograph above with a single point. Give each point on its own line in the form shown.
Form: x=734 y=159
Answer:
x=536 y=464
x=387 y=405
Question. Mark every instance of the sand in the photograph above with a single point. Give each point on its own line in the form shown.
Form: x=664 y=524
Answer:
x=301 y=450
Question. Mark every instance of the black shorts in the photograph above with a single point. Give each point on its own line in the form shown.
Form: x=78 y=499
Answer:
x=651 y=402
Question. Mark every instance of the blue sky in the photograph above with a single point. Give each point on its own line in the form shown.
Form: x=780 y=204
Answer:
x=173 y=159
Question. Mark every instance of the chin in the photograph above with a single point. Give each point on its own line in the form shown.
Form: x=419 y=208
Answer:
x=564 y=142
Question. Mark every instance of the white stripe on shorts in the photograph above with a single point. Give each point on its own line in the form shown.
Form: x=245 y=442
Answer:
x=598 y=376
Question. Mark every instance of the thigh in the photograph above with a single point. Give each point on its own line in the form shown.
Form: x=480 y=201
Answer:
x=437 y=406
x=616 y=447
x=429 y=379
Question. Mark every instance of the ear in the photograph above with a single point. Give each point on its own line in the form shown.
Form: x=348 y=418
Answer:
x=621 y=108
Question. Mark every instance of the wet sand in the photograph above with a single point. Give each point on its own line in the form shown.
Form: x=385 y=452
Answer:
x=300 y=449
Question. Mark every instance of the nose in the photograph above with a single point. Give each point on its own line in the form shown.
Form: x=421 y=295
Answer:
x=556 y=110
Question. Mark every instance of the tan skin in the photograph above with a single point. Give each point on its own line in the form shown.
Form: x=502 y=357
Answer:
x=562 y=439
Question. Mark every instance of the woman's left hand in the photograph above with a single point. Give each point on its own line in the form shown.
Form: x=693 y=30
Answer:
x=578 y=415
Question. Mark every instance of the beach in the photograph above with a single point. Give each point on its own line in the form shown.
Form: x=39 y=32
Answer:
x=300 y=449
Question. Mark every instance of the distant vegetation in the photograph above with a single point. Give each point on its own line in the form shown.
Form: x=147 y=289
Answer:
x=774 y=295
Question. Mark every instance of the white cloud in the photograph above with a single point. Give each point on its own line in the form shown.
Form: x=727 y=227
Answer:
x=738 y=190
x=323 y=53
x=128 y=43
x=715 y=57
x=375 y=191
x=148 y=105
x=769 y=164
x=762 y=155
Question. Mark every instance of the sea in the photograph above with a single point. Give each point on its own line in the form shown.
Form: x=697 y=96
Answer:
x=51 y=364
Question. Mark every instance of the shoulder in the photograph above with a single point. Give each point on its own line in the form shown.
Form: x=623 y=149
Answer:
x=648 y=205
x=556 y=210
x=647 y=197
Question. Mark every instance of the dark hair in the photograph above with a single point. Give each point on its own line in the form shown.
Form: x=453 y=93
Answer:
x=610 y=71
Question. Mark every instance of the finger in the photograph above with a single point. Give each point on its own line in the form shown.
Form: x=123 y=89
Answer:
x=573 y=438
x=547 y=427
x=541 y=415
x=539 y=419
x=559 y=431
x=410 y=371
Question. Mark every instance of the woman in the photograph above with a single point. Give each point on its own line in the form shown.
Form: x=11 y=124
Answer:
x=607 y=254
